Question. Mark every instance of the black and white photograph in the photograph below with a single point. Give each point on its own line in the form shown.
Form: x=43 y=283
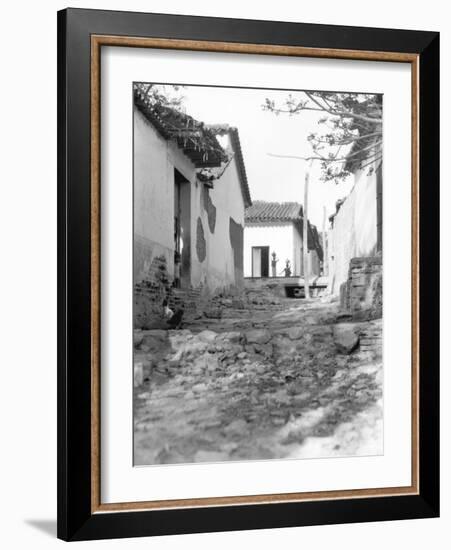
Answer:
x=225 y=281
x=257 y=274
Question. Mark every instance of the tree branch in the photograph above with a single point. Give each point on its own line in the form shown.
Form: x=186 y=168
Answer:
x=317 y=102
x=333 y=112
x=326 y=159
x=374 y=159
x=311 y=159
x=347 y=140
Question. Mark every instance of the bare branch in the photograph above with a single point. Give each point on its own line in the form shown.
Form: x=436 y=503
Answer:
x=312 y=98
x=296 y=157
x=326 y=159
x=345 y=114
x=348 y=140
x=374 y=159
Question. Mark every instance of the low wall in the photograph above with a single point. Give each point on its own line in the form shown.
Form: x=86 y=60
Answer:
x=362 y=292
x=286 y=286
x=260 y=282
x=150 y=292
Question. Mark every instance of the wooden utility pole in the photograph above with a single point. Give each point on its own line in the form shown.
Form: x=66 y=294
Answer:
x=325 y=252
x=305 y=254
x=305 y=235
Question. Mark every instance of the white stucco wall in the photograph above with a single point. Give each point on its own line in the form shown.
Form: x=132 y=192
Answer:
x=153 y=197
x=354 y=231
x=279 y=238
x=218 y=268
x=154 y=163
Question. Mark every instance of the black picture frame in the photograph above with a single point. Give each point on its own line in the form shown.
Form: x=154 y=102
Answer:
x=76 y=521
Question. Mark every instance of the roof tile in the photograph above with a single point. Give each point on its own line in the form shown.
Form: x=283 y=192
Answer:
x=262 y=211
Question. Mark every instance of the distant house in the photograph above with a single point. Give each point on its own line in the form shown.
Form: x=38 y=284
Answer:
x=190 y=194
x=273 y=227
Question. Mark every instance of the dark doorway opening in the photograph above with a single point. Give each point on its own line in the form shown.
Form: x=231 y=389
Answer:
x=182 y=230
x=260 y=261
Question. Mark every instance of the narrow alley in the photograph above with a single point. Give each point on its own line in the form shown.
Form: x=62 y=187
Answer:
x=271 y=378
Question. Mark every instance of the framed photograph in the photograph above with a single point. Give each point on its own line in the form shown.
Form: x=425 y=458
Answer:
x=248 y=274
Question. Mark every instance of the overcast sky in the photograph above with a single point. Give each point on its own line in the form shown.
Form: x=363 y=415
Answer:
x=262 y=132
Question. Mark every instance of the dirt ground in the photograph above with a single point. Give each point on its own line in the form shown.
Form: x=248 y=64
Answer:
x=271 y=380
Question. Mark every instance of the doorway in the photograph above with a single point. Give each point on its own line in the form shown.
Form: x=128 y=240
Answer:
x=182 y=230
x=260 y=261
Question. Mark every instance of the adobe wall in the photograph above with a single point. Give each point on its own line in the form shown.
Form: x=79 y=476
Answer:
x=217 y=225
x=212 y=225
x=354 y=232
x=153 y=199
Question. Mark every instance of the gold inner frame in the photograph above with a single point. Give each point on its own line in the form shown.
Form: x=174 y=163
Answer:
x=97 y=41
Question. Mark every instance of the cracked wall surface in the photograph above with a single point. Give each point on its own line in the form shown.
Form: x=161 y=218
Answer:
x=201 y=245
x=209 y=208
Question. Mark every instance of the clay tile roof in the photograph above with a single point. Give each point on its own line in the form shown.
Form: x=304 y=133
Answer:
x=262 y=211
x=236 y=144
x=198 y=142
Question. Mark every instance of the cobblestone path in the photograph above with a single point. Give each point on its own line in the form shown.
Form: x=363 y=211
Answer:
x=259 y=384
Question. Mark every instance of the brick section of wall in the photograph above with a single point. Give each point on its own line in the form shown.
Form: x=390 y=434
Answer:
x=144 y=250
x=362 y=292
x=150 y=293
x=371 y=338
x=157 y=286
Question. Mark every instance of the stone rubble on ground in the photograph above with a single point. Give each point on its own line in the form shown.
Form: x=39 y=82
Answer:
x=273 y=383
x=346 y=337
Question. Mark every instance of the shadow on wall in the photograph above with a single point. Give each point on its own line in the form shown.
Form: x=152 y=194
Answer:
x=236 y=232
x=201 y=245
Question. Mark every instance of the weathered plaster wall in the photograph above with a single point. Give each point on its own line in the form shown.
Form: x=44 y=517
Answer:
x=314 y=263
x=154 y=162
x=298 y=257
x=279 y=238
x=236 y=233
x=354 y=232
x=207 y=254
x=153 y=198
x=215 y=207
